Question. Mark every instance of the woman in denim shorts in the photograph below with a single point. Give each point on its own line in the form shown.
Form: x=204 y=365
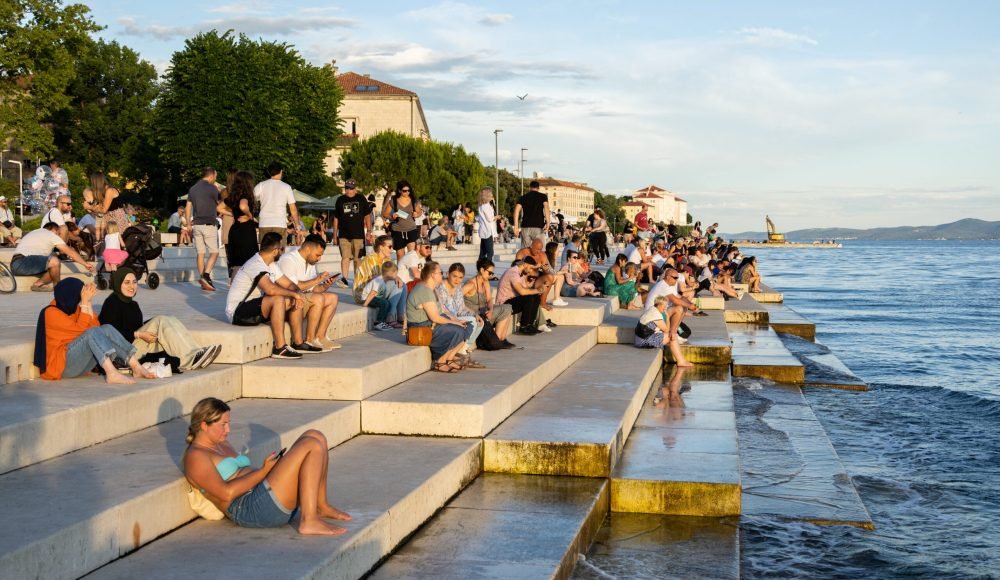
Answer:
x=264 y=497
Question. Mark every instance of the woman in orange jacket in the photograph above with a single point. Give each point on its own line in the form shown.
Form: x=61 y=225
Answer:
x=69 y=340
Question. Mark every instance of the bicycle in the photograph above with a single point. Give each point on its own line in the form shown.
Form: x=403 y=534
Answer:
x=8 y=283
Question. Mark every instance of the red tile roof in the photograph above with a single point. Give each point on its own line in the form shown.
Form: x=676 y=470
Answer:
x=635 y=204
x=648 y=196
x=350 y=83
x=549 y=182
x=679 y=199
x=649 y=189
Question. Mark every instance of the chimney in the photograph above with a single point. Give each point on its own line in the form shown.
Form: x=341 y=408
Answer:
x=538 y=174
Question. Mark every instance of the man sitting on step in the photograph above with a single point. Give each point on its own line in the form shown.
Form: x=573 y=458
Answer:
x=299 y=267
x=547 y=277
x=33 y=257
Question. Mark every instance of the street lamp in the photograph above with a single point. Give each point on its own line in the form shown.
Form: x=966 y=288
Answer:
x=20 y=187
x=496 y=165
x=523 y=149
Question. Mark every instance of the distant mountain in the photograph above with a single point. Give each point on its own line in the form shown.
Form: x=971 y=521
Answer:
x=967 y=229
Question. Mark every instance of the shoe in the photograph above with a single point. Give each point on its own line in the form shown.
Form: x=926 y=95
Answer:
x=528 y=331
x=285 y=352
x=382 y=326
x=198 y=358
x=213 y=353
x=508 y=344
x=330 y=344
x=740 y=294
x=306 y=348
x=319 y=344
x=560 y=302
x=682 y=340
x=341 y=283
x=206 y=283
x=545 y=328
x=550 y=324
x=395 y=324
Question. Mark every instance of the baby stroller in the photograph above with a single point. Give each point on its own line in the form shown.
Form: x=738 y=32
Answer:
x=139 y=240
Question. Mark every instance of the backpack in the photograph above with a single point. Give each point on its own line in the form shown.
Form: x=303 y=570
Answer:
x=488 y=339
x=597 y=278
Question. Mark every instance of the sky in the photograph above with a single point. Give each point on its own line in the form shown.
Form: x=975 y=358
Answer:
x=819 y=114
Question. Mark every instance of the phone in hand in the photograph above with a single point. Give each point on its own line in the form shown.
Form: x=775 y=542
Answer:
x=281 y=453
x=330 y=280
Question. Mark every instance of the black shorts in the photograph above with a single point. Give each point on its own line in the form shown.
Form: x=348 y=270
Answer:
x=249 y=313
x=401 y=239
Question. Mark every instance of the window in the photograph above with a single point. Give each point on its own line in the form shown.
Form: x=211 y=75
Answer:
x=365 y=88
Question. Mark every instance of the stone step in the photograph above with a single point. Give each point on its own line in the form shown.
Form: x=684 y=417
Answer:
x=105 y=501
x=790 y=468
x=822 y=367
x=471 y=403
x=683 y=455
x=578 y=424
x=759 y=352
x=787 y=321
x=17 y=348
x=42 y=419
x=768 y=295
x=390 y=485
x=658 y=546
x=583 y=311
x=708 y=343
x=506 y=526
x=746 y=310
x=366 y=365
x=707 y=302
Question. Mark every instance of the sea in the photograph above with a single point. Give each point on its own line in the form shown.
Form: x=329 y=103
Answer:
x=920 y=322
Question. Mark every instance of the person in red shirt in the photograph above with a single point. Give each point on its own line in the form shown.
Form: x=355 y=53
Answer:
x=642 y=221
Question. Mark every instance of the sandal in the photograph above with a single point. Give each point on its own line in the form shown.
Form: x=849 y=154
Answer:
x=443 y=368
x=455 y=365
x=471 y=364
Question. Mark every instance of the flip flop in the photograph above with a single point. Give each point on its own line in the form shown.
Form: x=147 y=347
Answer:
x=43 y=288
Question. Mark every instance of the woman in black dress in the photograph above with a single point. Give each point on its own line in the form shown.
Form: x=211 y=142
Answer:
x=243 y=235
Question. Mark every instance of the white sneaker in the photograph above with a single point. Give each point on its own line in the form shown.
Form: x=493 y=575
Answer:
x=545 y=328
x=341 y=283
x=682 y=340
x=560 y=302
x=382 y=326
x=319 y=344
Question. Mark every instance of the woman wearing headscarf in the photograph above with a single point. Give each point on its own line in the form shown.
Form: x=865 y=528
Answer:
x=121 y=311
x=69 y=341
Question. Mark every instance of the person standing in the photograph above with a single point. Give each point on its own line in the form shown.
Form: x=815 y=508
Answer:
x=274 y=195
x=486 y=219
x=351 y=227
x=201 y=211
x=398 y=211
x=533 y=207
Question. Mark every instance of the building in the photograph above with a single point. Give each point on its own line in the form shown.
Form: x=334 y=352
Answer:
x=370 y=107
x=632 y=208
x=665 y=207
x=574 y=200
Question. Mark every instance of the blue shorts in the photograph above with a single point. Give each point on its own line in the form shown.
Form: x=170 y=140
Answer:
x=568 y=291
x=258 y=508
x=30 y=265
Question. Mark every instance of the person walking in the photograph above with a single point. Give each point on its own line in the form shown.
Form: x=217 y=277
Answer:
x=277 y=200
x=201 y=211
x=533 y=207
x=352 y=226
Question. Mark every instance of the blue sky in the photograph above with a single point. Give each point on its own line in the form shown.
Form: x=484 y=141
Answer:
x=854 y=114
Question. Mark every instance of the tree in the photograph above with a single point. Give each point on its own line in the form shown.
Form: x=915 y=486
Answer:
x=442 y=174
x=612 y=206
x=233 y=102
x=112 y=96
x=39 y=41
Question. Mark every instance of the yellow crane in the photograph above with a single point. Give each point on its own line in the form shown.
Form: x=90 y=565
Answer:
x=772 y=232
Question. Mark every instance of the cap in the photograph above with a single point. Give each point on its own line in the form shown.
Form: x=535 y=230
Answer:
x=350 y=184
x=423 y=242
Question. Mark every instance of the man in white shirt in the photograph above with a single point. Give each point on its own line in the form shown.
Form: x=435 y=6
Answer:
x=260 y=293
x=274 y=195
x=678 y=305
x=413 y=261
x=59 y=215
x=299 y=266
x=9 y=233
x=33 y=256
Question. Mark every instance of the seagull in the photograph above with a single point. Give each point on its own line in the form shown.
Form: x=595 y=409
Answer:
x=522 y=98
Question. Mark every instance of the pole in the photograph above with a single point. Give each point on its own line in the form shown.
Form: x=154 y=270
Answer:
x=523 y=149
x=20 y=187
x=496 y=166
x=1 y=163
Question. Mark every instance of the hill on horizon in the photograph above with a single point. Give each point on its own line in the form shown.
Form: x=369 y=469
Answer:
x=965 y=229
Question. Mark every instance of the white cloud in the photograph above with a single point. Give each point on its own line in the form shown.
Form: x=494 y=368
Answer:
x=249 y=25
x=242 y=8
x=496 y=19
x=774 y=37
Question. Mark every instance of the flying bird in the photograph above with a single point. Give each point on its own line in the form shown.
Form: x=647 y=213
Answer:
x=522 y=98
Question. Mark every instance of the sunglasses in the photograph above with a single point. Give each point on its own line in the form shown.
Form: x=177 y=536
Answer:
x=404 y=191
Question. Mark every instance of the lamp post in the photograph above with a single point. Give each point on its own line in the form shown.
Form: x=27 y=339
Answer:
x=523 y=149
x=20 y=187
x=496 y=166
x=1 y=162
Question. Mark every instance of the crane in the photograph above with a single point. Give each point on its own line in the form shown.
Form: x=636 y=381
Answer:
x=772 y=232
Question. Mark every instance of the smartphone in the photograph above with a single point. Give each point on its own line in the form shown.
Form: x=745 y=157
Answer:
x=281 y=453
x=331 y=279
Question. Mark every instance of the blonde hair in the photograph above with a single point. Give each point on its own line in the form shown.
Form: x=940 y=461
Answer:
x=206 y=411
x=659 y=300
x=388 y=267
x=112 y=228
x=485 y=195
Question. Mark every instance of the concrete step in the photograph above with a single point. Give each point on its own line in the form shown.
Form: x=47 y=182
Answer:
x=746 y=310
x=472 y=402
x=41 y=419
x=822 y=367
x=578 y=424
x=366 y=365
x=790 y=468
x=506 y=526
x=759 y=352
x=583 y=311
x=17 y=350
x=390 y=485
x=707 y=302
x=103 y=502
x=659 y=546
x=768 y=295
x=683 y=455
x=787 y=321
x=708 y=343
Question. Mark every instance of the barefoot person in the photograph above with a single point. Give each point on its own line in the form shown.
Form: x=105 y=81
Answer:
x=264 y=497
x=69 y=340
x=659 y=332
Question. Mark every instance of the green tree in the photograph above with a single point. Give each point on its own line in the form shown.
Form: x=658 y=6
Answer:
x=443 y=174
x=112 y=96
x=38 y=41
x=233 y=102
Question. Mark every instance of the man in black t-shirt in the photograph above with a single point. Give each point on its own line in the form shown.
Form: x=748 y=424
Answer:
x=534 y=208
x=351 y=226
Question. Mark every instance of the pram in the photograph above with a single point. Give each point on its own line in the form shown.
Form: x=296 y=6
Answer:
x=139 y=240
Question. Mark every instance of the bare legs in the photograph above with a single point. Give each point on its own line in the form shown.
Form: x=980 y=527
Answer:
x=674 y=316
x=320 y=314
x=113 y=377
x=300 y=478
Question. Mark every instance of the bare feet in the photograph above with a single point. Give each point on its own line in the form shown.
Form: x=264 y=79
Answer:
x=141 y=372
x=334 y=514
x=546 y=306
x=317 y=527
x=116 y=378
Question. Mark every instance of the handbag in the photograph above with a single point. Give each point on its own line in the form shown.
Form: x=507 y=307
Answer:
x=642 y=331
x=201 y=505
x=419 y=335
x=256 y=319
x=488 y=339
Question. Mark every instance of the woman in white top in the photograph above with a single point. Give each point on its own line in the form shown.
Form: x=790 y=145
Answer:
x=486 y=221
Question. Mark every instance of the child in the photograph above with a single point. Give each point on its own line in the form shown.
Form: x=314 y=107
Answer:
x=113 y=254
x=383 y=293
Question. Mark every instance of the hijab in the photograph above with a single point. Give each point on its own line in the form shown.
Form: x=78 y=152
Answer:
x=117 y=277
x=67 y=299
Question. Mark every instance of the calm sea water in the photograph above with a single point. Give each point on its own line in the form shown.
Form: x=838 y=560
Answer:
x=920 y=322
